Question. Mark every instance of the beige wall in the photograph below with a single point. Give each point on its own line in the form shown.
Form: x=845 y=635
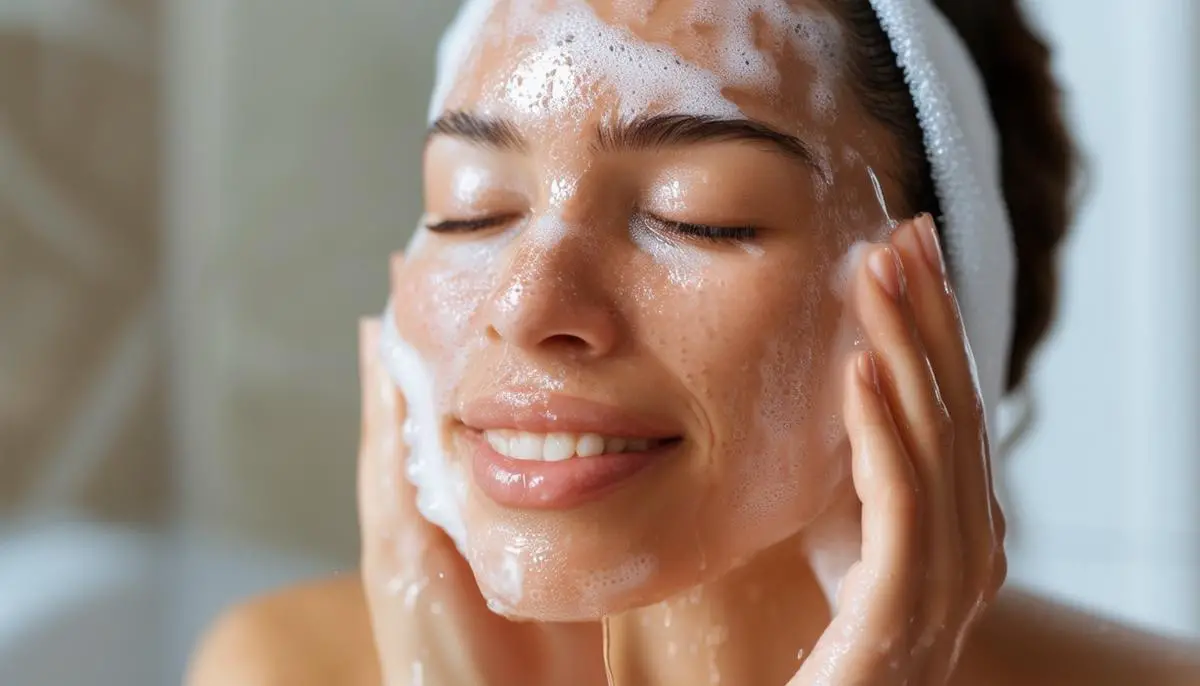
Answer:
x=318 y=114
x=81 y=383
x=269 y=153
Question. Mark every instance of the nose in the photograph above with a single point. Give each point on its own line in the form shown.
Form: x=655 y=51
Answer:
x=552 y=297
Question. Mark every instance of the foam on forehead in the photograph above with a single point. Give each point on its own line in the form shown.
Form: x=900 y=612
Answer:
x=569 y=40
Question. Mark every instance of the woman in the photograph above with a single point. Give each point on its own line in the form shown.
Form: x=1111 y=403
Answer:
x=677 y=400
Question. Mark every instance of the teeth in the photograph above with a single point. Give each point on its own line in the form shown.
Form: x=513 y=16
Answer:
x=556 y=447
x=497 y=440
x=526 y=446
x=589 y=445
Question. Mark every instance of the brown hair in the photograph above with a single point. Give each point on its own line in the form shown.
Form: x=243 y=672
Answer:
x=1037 y=156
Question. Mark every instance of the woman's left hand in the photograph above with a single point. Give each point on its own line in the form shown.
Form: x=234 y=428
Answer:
x=932 y=553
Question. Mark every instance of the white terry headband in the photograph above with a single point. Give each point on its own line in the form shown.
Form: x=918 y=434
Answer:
x=961 y=143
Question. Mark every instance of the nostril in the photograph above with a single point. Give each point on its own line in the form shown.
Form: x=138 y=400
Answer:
x=566 y=341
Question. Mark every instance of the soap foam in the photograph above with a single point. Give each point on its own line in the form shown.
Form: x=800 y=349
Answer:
x=570 y=45
x=743 y=55
x=505 y=582
x=599 y=586
x=455 y=49
x=573 y=46
x=441 y=490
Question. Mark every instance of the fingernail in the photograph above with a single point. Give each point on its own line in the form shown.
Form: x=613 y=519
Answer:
x=930 y=244
x=869 y=370
x=885 y=265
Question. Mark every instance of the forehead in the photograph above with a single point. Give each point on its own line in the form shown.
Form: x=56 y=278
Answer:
x=564 y=62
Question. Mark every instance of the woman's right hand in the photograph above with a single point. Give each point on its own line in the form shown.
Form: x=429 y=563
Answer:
x=430 y=622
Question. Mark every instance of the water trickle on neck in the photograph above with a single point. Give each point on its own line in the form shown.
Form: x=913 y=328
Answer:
x=608 y=669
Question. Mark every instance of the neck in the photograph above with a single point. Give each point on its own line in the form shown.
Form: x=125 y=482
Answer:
x=751 y=626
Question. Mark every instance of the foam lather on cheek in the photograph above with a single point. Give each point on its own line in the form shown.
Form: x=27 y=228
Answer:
x=441 y=490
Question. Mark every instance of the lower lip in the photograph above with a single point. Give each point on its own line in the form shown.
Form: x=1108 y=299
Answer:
x=532 y=485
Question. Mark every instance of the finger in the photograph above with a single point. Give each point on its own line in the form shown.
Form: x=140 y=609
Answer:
x=935 y=314
x=913 y=395
x=884 y=479
x=939 y=324
x=908 y=379
x=388 y=582
x=382 y=492
x=880 y=594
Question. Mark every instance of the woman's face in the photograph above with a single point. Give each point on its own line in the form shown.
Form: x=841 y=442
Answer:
x=625 y=291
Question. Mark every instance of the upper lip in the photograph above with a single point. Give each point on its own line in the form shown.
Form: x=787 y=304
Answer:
x=543 y=412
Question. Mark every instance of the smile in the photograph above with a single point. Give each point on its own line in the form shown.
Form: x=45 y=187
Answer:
x=550 y=452
x=556 y=447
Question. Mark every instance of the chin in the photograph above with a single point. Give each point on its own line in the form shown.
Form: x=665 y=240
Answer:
x=611 y=556
x=583 y=564
x=577 y=592
x=587 y=546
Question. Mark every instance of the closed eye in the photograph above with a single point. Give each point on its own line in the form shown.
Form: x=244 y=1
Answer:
x=469 y=225
x=705 y=231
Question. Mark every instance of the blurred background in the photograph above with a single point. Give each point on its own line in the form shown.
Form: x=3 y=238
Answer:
x=196 y=202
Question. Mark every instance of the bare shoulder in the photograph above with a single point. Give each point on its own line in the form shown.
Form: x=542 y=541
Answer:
x=1033 y=641
x=317 y=633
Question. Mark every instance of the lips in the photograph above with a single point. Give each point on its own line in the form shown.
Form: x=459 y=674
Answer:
x=545 y=451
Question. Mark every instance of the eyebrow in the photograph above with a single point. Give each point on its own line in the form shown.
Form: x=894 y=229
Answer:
x=489 y=132
x=672 y=130
x=642 y=133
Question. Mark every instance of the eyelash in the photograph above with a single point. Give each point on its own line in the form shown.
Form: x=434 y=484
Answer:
x=706 y=232
x=469 y=225
x=701 y=231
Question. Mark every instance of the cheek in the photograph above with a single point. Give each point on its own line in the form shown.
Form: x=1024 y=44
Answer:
x=752 y=346
x=770 y=394
x=439 y=293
